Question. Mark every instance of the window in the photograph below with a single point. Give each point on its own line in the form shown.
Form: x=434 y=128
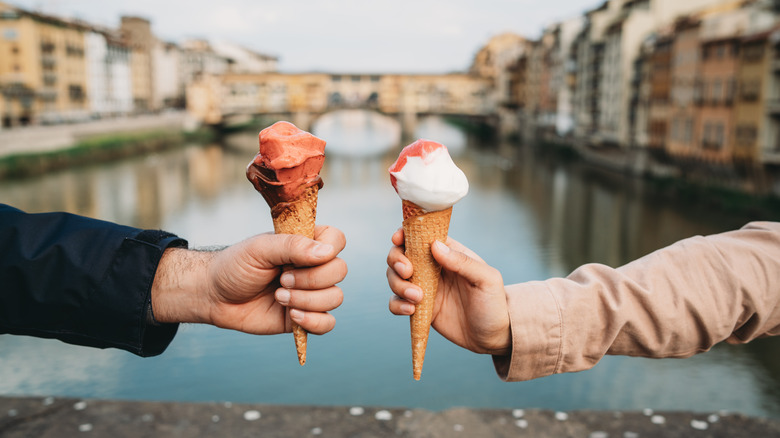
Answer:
x=731 y=86
x=750 y=90
x=10 y=34
x=746 y=135
x=719 y=134
x=699 y=91
x=717 y=91
x=76 y=92
x=753 y=52
x=688 y=130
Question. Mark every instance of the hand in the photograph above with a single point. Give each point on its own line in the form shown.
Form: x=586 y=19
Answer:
x=240 y=287
x=470 y=308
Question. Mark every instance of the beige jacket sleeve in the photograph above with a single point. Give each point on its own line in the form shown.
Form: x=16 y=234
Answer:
x=675 y=302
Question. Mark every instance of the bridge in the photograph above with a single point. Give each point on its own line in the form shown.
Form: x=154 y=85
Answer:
x=303 y=97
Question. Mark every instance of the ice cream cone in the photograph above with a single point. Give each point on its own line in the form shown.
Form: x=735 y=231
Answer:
x=297 y=217
x=421 y=229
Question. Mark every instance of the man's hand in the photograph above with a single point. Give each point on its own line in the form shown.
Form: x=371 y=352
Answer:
x=470 y=308
x=240 y=286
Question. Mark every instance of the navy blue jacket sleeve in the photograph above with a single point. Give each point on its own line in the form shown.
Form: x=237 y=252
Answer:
x=80 y=280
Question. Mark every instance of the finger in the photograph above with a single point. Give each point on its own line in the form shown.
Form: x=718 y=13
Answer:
x=314 y=301
x=475 y=271
x=398 y=237
x=403 y=288
x=317 y=277
x=400 y=307
x=331 y=236
x=313 y=322
x=457 y=246
x=269 y=250
x=398 y=261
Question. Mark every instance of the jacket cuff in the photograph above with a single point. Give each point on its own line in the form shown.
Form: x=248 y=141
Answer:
x=537 y=333
x=133 y=270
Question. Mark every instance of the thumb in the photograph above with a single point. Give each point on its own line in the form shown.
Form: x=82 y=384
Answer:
x=290 y=249
x=474 y=271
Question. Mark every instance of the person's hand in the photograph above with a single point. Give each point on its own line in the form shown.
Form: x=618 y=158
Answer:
x=470 y=308
x=240 y=287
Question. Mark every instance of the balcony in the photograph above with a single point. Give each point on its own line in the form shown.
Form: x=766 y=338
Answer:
x=48 y=61
x=49 y=79
x=48 y=94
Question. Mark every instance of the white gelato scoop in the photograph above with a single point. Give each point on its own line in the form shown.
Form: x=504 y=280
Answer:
x=426 y=175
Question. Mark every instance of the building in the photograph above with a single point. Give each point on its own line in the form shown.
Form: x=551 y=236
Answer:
x=43 y=79
x=168 y=86
x=588 y=48
x=563 y=75
x=684 y=72
x=716 y=86
x=752 y=109
x=659 y=62
x=497 y=62
x=243 y=60
x=109 y=84
x=769 y=141
x=606 y=56
x=200 y=60
x=137 y=34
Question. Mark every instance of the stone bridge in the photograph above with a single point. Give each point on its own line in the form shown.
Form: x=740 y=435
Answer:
x=303 y=97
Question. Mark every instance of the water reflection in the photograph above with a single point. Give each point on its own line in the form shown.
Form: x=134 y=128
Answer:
x=437 y=129
x=532 y=219
x=357 y=132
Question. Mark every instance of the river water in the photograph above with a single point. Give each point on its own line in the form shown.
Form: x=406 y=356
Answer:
x=531 y=217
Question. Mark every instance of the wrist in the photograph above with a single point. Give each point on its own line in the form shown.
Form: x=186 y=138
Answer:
x=178 y=290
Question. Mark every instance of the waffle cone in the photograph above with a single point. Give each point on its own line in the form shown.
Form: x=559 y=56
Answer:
x=297 y=217
x=421 y=229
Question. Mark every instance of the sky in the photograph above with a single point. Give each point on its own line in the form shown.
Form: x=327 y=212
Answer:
x=360 y=36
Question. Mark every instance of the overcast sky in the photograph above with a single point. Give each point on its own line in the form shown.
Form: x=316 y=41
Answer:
x=414 y=36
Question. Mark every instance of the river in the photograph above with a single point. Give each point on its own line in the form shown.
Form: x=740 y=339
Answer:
x=532 y=217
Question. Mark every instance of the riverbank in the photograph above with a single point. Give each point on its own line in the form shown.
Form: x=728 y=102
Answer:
x=32 y=150
x=67 y=417
x=717 y=188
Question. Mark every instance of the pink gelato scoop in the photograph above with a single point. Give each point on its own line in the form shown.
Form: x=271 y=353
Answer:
x=289 y=161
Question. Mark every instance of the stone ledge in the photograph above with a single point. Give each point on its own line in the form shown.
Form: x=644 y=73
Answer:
x=68 y=417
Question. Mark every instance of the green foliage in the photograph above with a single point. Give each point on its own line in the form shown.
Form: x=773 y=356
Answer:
x=97 y=149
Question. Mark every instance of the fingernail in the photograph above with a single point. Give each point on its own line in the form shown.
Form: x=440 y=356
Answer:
x=282 y=296
x=399 y=268
x=407 y=308
x=287 y=279
x=296 y=315
x=322 y=250
x=413 y=294
x=441 y=247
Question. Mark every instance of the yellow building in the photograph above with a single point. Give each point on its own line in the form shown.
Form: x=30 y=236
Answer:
x=42 y=68
x=137 y=34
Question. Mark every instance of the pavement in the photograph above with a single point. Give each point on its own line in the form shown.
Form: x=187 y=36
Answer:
x=41 y=139
x=48 y=417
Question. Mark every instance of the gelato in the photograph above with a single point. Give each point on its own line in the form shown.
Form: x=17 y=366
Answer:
x=286 y=172
x=428 y=183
